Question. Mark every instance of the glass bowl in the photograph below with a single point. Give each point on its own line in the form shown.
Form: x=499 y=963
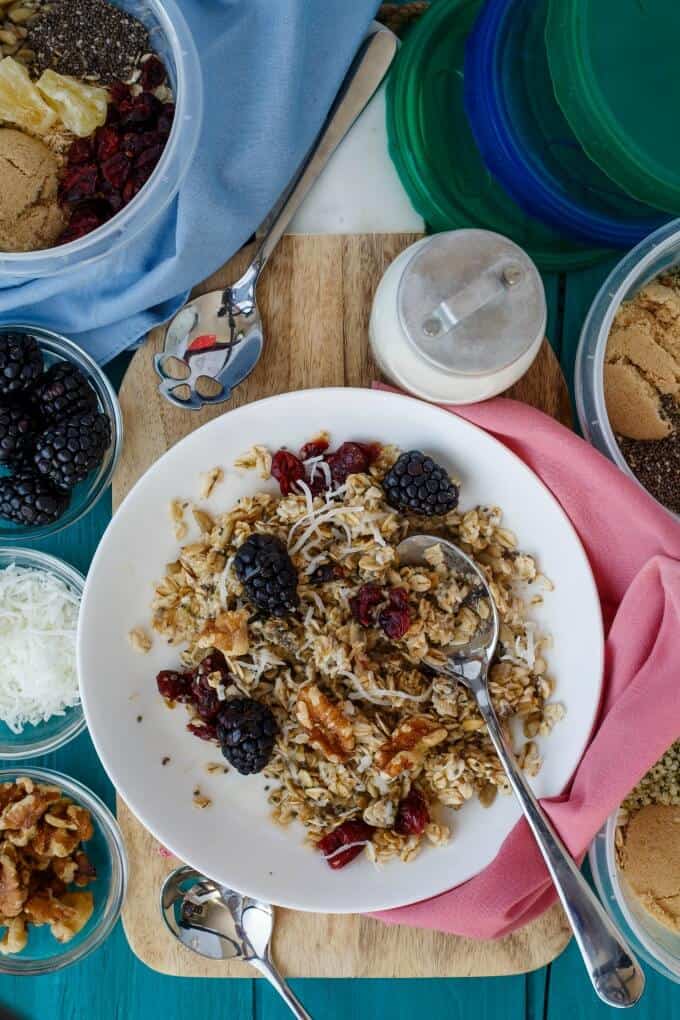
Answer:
x=60 y=729
x=43 y=954
x=86 y=493
x=658 y=946
x=172 y=40
x=656 y=253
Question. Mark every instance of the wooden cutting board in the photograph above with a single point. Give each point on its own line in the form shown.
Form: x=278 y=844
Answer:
x=315 y=298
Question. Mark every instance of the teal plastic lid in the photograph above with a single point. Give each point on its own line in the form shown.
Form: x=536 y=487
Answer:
x=435 y=153
x=614 y=66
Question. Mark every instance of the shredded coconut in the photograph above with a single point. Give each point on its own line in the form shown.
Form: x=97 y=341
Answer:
x=38 y=620
x=345 y=848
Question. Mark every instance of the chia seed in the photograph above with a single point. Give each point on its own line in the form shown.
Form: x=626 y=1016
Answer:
x=656 y=462
x=90 y=39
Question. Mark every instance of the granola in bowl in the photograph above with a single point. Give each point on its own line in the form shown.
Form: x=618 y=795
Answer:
x=304 y=644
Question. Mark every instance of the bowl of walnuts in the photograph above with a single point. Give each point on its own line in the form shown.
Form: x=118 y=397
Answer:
x=63 y=871
x=61 y=432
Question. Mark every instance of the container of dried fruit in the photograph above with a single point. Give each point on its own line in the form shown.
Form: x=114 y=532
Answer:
x=105 y=860
x=652 y=942
x=172 y=41
x=656 y=254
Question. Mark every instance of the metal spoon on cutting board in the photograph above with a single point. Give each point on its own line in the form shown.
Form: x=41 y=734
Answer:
x=613 y=970
x=221 y=924
x=214 y=342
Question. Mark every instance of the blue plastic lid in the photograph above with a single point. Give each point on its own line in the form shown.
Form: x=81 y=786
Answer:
x=525 y=139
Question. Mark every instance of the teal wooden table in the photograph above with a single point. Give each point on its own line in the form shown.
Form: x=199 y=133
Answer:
x=113 y=985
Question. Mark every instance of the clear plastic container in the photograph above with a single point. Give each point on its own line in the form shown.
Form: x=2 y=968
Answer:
x=60 y=729
x=171 y=39
x=106 y=850
x=86 y=493
x=656 y=253
x=658 y=946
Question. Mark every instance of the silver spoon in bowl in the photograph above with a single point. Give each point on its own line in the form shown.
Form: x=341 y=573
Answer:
x=613 y=970
x=221 y=924
x=215 y=341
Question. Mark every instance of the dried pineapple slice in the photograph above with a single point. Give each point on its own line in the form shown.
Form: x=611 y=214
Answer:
x=20 y=101
x=81 y=108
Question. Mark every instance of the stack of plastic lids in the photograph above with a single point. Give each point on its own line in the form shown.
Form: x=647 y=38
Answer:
x=526 y=140
x=434 y=150
x=614 y=65
x=549 y=121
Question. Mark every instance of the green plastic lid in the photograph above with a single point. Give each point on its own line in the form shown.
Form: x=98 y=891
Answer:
x=434 y=150
x=614 y=66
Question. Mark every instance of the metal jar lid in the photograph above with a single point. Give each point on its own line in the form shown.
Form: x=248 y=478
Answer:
x=471 y=302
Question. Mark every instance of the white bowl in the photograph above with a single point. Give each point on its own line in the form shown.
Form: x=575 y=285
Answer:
x=234 y=840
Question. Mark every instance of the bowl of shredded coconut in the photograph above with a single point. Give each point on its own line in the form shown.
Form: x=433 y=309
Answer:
x=39 y=701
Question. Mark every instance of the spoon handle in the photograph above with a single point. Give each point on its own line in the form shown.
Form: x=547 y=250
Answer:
x=362 y=80
x=267 y=969
x=615 y=973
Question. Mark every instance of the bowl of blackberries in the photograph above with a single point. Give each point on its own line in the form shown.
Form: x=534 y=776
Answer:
x=60 y=432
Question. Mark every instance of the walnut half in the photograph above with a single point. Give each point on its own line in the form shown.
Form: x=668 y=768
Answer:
x=330 y=731
x=228 y=632
x=408 y=745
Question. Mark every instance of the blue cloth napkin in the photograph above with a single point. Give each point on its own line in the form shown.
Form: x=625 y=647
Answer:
x=271 y=69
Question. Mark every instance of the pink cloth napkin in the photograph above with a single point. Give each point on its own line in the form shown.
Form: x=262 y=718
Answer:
x=634 y=550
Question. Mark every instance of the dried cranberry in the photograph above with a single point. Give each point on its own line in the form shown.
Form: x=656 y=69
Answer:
x=148 y=158
x=364 y=602
x=78 y=183
x=139 y=110
x=287 y=469
x=80 y=151
x=114 y=199
x=412 y=815
x=207 y=703
x=395 y=619
x=165 y=119
x=213 y=663
x=116 y=170
x=206 y=732
x=118 y=92
x=132 y=144
x=133 y=185
x=172 y=685
x=85 y=218
x=351 y=459
x=346 y=834
x=313 y=449
x=325 y=573
x=153 y=73
x=149 y=138
x=107 y=141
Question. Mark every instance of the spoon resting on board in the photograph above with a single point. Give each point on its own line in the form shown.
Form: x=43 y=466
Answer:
x=221 y=924
x=214 y=342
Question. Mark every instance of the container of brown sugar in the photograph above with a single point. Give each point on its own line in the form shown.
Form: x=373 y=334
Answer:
x=627 y=376
x=635 y=861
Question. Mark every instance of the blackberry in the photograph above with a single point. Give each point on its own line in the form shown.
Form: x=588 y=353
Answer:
x=62 y=392
x=29 y=499
x=67 y=452
x=20 y=363
x=417 y=485
x=268 y=575
x=17 y=431
x=246 y=731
